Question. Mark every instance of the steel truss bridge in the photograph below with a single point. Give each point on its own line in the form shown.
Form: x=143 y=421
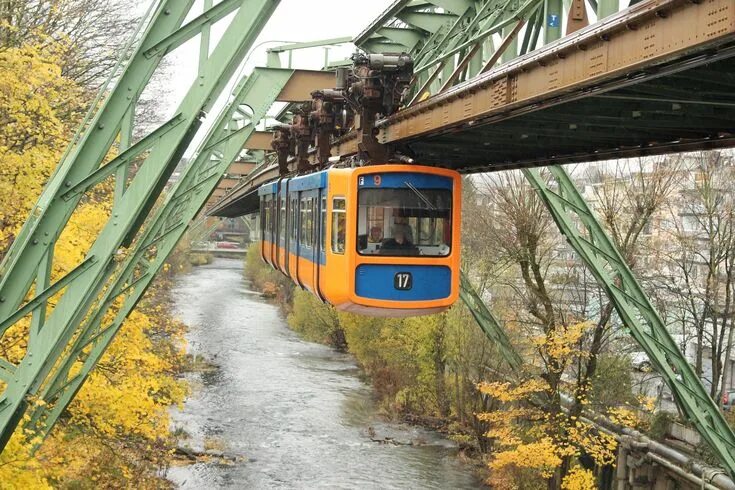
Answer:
x=497 y=86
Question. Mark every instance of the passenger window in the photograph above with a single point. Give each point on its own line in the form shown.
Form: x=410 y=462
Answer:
x=339 y=225
x=303 y=238
x=282 y=224
x=323 y=224
x=294 y=219
x=262 y=218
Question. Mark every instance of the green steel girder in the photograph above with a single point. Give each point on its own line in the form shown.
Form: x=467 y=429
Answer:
x=426 y=21
x=489 y=324
x=457 y=7
x=84 y=293
x=454 y=40
x=407 y=38
x=593 y=245
x=164 y=230
x=50 y=215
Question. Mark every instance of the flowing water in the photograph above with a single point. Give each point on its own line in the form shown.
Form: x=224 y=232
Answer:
x=294 y=413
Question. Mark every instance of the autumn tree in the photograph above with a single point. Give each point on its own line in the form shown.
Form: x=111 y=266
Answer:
x=86 y=34
x=116 y=431
x=697 y=263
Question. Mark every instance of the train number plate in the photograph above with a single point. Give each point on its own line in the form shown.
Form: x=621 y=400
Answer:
x=403 y=281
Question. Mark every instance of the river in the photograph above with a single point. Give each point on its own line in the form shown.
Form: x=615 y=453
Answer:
x=296 y=414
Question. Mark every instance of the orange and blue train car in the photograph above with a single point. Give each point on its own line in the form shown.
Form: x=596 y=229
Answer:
x=381 y=240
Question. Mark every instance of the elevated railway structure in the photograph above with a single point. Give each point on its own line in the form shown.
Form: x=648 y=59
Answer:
x=494 y=86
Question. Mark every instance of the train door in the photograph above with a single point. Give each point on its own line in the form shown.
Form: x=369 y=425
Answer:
x=320 y=220
x=274 y=229
x=286 y=229
x=262 y=227
x=294 y=234
x=281 y=241
x=300 y=237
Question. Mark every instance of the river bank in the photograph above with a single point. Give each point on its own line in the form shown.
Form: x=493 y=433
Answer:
x=292 y=413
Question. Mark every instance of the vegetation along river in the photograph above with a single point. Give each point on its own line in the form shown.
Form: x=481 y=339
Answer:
x=293 y=413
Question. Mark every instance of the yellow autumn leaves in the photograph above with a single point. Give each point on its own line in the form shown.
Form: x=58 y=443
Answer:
x=116 y=431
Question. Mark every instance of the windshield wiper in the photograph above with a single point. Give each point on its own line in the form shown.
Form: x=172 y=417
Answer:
x=421 y=196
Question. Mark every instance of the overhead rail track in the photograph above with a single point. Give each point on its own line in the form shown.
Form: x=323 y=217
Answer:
x=656 y=78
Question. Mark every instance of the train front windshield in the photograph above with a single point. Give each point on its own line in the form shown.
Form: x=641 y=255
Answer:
x=404 y=222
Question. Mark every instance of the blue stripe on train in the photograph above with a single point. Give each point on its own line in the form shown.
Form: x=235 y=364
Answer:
x=377 y=281
x=399 y=180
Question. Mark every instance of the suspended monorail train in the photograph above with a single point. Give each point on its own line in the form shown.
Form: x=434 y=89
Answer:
x=382 y=240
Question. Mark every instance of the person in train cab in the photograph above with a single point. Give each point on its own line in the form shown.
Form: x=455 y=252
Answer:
x=401 y=223
x=399 y=243
x=376 y=234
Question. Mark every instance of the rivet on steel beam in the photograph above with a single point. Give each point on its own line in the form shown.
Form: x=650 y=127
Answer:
x=167 y=12
x=2 y=299
x=67 y=184
x=35 y=242
x=101 y=126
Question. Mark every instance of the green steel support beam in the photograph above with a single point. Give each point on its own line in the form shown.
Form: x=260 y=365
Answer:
x=82 y=292
x=552 y=20
x=511 y=51
x=193 y=28
x=89 y=148
x=259 y=92
x=593 y=245
x=488 y=323
x=607 y=7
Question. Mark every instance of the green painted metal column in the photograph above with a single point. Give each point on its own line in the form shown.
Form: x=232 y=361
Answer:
x=489 y=324
x=85 y=287
x=606 y=7
x=593 y=245
x=216 y=153
x=552 y=20
x=511 y=52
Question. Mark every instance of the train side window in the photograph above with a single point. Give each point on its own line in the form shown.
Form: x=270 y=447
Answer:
x=262 y=218
x=294 y=218
x=302 y=233
x=267 y=220
x=282 y=224
x=310 y=222
x=323 y=224
x=339 y=225
x=272 y=223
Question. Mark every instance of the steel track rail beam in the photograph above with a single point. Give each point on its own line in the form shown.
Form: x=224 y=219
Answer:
x=594 y=60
